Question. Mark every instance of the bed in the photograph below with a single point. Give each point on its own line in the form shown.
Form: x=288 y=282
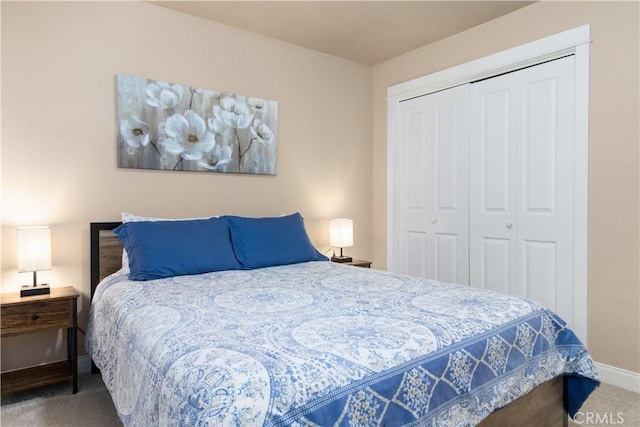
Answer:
x=317 y=343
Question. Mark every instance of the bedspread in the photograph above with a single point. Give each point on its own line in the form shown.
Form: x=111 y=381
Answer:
x=320 y=343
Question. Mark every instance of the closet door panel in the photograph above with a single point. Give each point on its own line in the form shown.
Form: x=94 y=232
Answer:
x=539 y=145
x=416 y=132
x=445 y=166
x=495 y=152
x=416 y=253
x=446 y=257
x=495 y=264
x=433 y=194
x=522 y=178
x=546 y=185
x=412 y=131
x=492 y=186
x=539 y=271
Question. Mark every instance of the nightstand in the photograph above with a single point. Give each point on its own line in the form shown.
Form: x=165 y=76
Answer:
x=19 y=316
x=359 y=263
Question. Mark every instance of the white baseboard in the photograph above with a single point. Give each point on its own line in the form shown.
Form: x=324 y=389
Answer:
x=84 y=365
x=622 y=378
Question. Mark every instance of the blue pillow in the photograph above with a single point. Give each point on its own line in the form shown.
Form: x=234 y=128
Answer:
x=173 y=248
x=264 y=242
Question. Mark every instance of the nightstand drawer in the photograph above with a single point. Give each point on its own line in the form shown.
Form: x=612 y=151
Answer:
x=22 y=318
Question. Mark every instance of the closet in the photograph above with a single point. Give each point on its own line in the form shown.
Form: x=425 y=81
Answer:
x=486 y=182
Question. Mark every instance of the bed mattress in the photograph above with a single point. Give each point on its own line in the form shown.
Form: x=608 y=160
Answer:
x=319 y=343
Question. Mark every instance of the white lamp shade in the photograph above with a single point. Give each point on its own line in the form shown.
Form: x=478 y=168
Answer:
x=341 y=233
x=34 y=249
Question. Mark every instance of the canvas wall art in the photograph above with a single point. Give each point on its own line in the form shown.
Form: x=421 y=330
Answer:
x=174 y=127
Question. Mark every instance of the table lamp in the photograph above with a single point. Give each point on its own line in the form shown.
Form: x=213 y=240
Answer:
x=341 y=236
x=34 y=254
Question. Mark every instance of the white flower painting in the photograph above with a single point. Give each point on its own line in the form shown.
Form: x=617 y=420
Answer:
x=173 y=127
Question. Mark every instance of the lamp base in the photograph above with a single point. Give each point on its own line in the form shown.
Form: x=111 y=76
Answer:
x=341 y=258
x=28 y=291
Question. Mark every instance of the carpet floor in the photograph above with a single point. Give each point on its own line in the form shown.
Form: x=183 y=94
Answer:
x=55 y=406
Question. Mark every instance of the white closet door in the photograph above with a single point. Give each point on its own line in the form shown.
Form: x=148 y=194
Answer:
x=493 y=186
x=522 y=184
x=433 y=157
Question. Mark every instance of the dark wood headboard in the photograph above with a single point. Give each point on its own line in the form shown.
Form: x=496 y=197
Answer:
x=106 y=252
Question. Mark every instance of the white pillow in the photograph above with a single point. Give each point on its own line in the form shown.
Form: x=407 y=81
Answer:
x=129 y=217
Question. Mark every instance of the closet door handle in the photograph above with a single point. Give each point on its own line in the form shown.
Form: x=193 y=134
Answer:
x=509 y=225
x=434 y=220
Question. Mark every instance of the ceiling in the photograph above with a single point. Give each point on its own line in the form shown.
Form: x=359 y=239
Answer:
x=369 y=32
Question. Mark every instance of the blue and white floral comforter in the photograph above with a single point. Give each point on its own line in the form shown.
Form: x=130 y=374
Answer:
x=323 y=344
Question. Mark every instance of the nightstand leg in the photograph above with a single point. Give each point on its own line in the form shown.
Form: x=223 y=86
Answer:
x=74 y=347
x=69 y=345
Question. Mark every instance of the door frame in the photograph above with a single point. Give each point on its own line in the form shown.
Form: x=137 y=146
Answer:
x=575 y=41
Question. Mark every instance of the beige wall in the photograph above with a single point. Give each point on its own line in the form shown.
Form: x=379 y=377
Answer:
x=59 y=62
x=613 y=273
x=58 y=136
